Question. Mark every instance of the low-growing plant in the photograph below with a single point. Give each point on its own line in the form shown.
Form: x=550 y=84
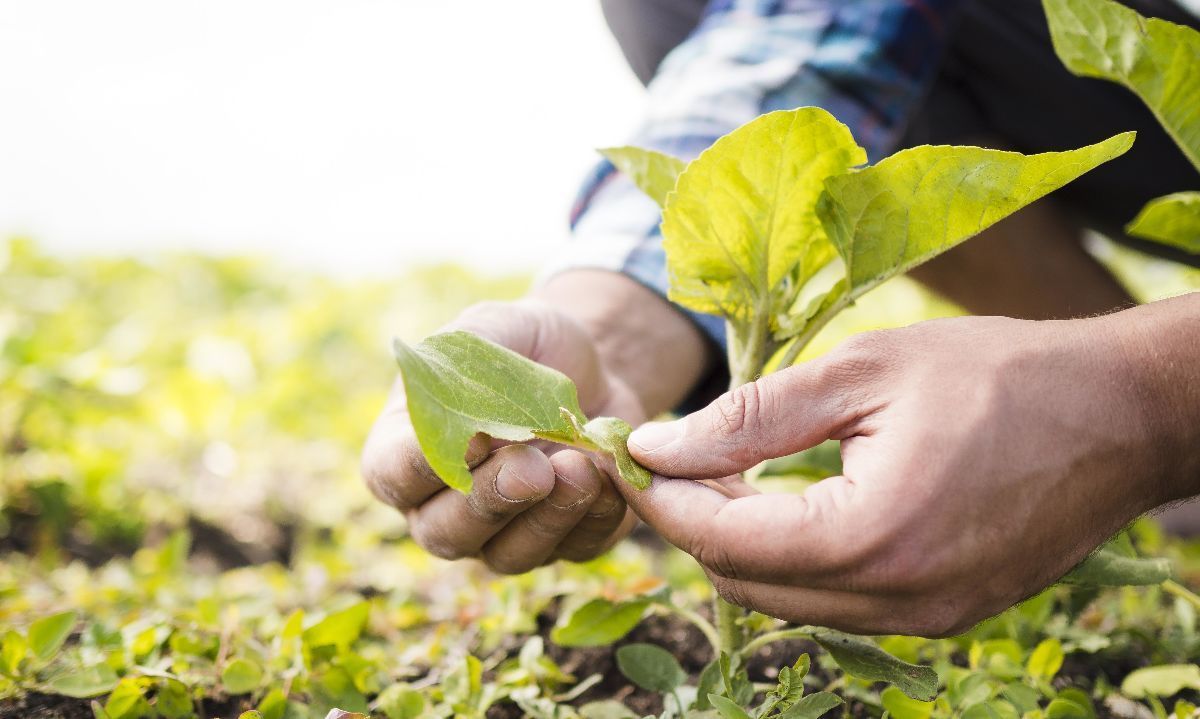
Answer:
x=776 y=228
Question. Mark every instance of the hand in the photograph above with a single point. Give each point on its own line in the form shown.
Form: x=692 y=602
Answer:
x=531 y=504
x=983 y=458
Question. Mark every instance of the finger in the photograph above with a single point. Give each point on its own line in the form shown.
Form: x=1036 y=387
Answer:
x=532 y=536
x=451 y=525
x=779 y=414
x=846 y=611
x=394 y=467
x=816 y=538
x=606 y=522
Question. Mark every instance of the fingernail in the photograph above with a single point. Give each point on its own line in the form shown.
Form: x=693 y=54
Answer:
x=511 y=486
x=654 y=436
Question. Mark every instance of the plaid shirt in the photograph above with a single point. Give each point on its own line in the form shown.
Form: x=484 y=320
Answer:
x=868 y=62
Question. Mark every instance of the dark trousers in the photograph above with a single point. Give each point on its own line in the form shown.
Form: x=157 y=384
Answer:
x=1001 y=83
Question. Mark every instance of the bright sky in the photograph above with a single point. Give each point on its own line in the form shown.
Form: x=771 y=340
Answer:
x=354 y=135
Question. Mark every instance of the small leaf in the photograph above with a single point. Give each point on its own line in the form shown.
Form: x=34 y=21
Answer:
x=12 y=650
x=606 y=709
x=651 y=668
x=1154 y=58
x=173 y=701
x=812 y=706
x=909 y=208
x=1107 y=568
x=598 y=622
x=726 y=708
x=862 y=659
x=241 y=676
x=1061 y=708
x=84 y=683
x=458 y=385
x=401 y=702
x=47 y=635
x=1172 y=220
x=1046 y=660
x=340 y=628
x=901 y=706
x=127 y=701
x=612 y=435
x=98 y=711
x=250 y=715
x=273 y=705
x=1161 y=681
x=339 y=714
x=653 y=172
x=740 y=230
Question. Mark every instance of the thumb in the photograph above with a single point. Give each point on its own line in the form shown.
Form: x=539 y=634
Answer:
x=774 y=416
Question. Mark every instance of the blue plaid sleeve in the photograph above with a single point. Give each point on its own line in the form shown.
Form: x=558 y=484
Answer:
x=868 y=62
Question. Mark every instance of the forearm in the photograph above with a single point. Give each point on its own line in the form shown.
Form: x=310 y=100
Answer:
x=642 y=339
x=1161 y=343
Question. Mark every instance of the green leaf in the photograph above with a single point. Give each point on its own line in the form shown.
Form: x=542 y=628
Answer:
x=653 y=172
x=340 y=628
x=401 y=702
x=727 y=708
x=1161 y=681
x=606 y=709
x=612 y=435
x=1061 y=708
x=1158 y=60
x=1107 y=568
x=458 y=385
x=862 y=659
x=46 y=635
x=339 y=714
x=250 y=715
x=273 y=705
x=740 y=231
x=127 y=701
x=12 y=650
x=992 y=709
x=598 y=622
x=241 y=676
x=173 y=701
x=902 y=706
x=84 y=683
x=1046 y=660
x=918 y=203
x=812 y=706
x=651 y=668
x=1172 y=220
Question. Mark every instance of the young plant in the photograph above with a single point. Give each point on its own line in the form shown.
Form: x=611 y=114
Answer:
x=1160 y=62
x=776 y=229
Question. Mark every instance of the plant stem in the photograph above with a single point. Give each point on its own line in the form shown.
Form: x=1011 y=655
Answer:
x=778 y=635
x=815 y=325
x=1173 y=587
x=706 y=627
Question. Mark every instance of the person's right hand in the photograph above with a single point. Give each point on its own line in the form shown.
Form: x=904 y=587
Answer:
x=531 y=504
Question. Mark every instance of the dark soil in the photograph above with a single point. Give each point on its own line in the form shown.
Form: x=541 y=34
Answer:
x=45 y=706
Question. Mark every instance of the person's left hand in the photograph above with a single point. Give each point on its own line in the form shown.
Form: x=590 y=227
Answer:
x=983 y=458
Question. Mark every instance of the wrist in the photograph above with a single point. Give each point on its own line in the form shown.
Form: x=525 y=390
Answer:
x=643 y=341
x=1158 y=369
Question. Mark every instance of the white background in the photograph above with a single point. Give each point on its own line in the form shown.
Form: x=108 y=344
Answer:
x=358 y=136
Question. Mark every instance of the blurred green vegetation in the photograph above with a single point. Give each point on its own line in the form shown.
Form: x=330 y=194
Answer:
x=179 y=441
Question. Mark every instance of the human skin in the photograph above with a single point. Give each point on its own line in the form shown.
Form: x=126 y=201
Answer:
x=634 y=356
x=983 y=458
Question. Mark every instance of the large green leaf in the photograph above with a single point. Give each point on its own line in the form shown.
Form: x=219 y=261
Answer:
x=599 y=622
x=1156 y=59
x=1161 y=681
x=860 y=658
x=458 y=385
x=650 y=667
x=740 y=230
x=46 y=635
x=653 y=172
x=1172 y=220
x=918 y=203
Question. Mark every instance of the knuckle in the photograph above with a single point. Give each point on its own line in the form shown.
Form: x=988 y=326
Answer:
x=485 y=511
x=714 y=556
x=436 y=542
x=738 y=409
x=860 y=354
x=731 y=591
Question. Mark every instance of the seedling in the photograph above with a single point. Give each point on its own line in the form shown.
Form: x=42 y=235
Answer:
x=776 y=229
x=1160 y=62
